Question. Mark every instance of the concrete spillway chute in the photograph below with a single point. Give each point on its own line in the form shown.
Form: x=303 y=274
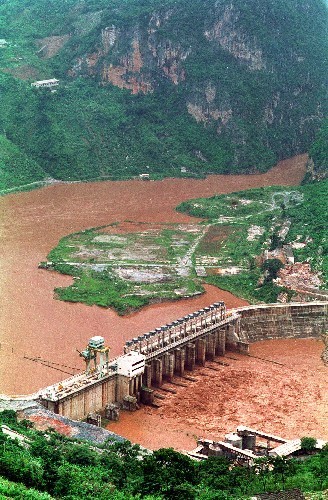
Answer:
x=95 y=356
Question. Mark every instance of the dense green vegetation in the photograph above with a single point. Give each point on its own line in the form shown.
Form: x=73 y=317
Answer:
x=48 y=465
x=127 y=271
x=306 y=208
x=319 y=151
x=90 y=129
x=16 y=169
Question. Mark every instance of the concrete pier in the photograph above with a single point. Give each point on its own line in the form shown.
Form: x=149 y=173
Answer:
x=221 y=343
x=180 y=359
x=174 y=348
x=210 y=346
x=146 y=378
x=158 y=372
x=168 y=366
x=200 y=351
x=190 y=356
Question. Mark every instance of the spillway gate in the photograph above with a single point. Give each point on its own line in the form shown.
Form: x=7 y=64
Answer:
x=161 y=353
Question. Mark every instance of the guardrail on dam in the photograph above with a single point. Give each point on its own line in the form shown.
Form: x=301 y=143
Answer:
x=171 y=349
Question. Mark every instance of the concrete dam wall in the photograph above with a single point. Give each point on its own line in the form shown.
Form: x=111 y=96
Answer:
x=173 y=349
x=275 y=321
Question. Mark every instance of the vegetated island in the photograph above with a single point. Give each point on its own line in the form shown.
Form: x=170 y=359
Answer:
x=261 y=244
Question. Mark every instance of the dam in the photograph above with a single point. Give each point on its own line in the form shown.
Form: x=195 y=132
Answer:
x=172 y=349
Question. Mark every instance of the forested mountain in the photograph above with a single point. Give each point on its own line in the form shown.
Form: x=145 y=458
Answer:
x=318 y=162
x=158 y=86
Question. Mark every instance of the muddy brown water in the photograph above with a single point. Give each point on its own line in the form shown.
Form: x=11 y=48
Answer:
x=289 y=399
x=33 y=324
x=40 y=335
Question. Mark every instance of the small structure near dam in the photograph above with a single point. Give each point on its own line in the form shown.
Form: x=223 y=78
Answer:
x=172 y=349
x=245 y=446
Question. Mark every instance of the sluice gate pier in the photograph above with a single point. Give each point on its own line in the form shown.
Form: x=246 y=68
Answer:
x=172 y=349
x=147 y=360
x=179 y=346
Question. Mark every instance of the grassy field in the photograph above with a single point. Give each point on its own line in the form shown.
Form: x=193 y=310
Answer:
x=127 y=271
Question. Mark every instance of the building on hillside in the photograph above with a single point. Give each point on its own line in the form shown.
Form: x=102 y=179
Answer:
x=46 y=83
x=144 y=177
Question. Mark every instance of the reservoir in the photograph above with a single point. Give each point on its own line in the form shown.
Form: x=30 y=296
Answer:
x=40 y=335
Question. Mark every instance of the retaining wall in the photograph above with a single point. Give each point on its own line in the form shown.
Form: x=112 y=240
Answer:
x=273 y=321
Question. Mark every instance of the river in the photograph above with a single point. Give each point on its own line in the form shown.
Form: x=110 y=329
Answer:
x=40 y=335
x=281 y=388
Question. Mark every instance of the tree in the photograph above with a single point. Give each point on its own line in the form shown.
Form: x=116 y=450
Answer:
x=166 y=472
x=51 y=456
x=283 y=467
x=276 y=241
x=308 y=444
x=8 y=417
x=214 y=472
x=272 y=266
x=81 y=455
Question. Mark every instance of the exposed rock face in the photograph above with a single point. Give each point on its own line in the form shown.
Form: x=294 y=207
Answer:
x=109 y=36
x=270 y=109
x=169 y=56
x=220 y=85
x=50 y=46
x=149 y=49
x=204 y=109
x=316 y=173
x=128 y=74
x=226 y=33
x=169 y=59
x=141 y=55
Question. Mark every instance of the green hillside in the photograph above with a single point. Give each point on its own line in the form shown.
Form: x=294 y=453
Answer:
x=42 y=464
x=265 y=212
x=319 y=153
x=16 y=168
x=160 y=87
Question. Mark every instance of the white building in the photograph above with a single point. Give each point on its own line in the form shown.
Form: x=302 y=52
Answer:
x=46 y=83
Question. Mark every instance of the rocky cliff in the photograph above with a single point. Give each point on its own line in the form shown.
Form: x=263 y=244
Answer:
x=215 y=85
